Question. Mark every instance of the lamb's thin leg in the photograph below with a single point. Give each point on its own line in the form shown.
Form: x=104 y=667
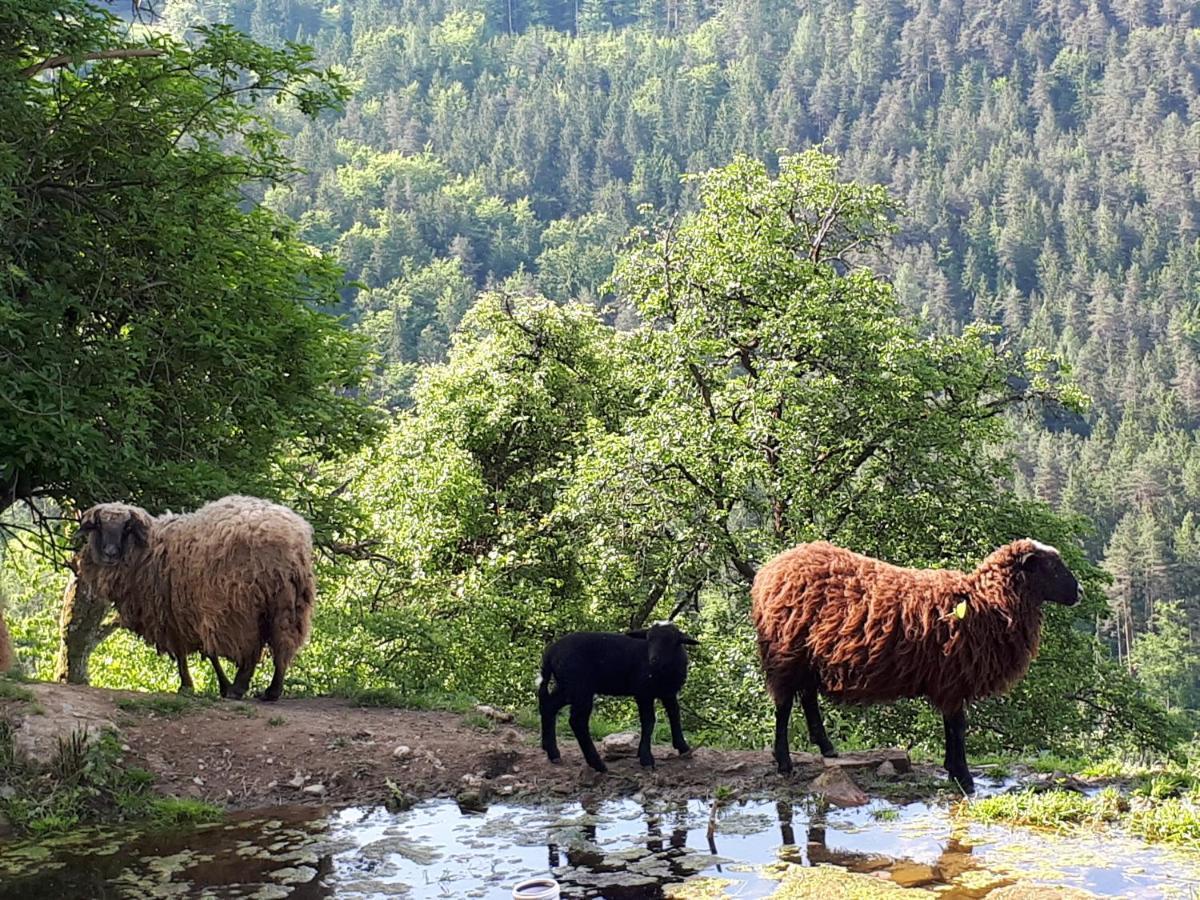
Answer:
x=241 y=681
x=956 y=749
x=581 y=714
x=646 y=715
x=816 y=727
x=783 y=712
x=678 y=741
x=222 y=681
x=185 y=677
x=549 y=705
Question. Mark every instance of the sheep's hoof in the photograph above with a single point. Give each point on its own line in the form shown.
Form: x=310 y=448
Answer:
x=555 y=760
x=234 y=695
x=267 y=697
x=186 y=690
x=647 y=765
x=686 y=753
x=830 y=753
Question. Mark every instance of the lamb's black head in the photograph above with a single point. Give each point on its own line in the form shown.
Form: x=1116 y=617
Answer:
x=663 y=641
x=109 y=531
x=1046 y=574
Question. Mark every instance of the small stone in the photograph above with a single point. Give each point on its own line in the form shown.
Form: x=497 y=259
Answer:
x=297 y=780
x=913 y=875
x=271 y=785
x=496 y=715
x=838 y=788
x=402 y=752
x=198 y=780
x=886 y=769
x=125 y=748
x=622 y=745
x=316 y=790
x=471 y=801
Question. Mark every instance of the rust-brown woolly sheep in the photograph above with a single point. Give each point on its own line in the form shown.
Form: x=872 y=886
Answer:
x=226 y=580
x=7 y=658
x=859 y=630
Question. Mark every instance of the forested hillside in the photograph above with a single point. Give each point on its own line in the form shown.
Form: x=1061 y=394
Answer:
x=1046 y=156
x=633 y=335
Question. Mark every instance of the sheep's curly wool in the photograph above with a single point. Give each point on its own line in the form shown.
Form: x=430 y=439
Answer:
x=873 y=632
x=225 y=580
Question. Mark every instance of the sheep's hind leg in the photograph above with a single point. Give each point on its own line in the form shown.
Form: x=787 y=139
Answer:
x=646 y=715
x=956 y=749
x=549 y=705
x=678 y=741
x=280 y=659
x=185 y=677
x=816 y=727
x=241 y=681
x=581 y=714
x=222 y=681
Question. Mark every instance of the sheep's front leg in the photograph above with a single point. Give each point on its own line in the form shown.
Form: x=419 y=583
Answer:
x=646 y=715
x=222 y=681
x=956 y=749
x=816 y=727
x=185 y=677
x=678 y=741
x=581 y=714
x=783 y=713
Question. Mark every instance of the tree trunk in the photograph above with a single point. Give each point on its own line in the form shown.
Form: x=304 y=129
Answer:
x=86 y=621
x=7 y=658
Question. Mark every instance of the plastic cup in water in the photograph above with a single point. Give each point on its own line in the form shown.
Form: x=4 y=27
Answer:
x=537 y=889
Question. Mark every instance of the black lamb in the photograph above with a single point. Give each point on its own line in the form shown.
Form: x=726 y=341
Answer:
x=647 y=664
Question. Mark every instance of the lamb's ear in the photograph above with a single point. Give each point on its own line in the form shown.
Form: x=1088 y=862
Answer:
x=139 y=526
x=639 y=633
x=688 y=639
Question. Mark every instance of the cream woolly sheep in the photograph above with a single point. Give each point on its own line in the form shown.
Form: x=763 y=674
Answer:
x=859 y=630
x=226 y=580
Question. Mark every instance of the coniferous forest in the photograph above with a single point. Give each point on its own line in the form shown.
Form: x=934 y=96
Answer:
x=639 y=292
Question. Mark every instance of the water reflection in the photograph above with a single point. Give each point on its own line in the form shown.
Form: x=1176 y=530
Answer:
x=595 y=848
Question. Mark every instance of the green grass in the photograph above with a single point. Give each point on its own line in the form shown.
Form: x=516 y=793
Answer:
x=1152 y=816
x=1174 y=820
x=276 y=721
x=1054 y=810
x=176 y=811
x=167 y=705
x=11 y=689
x=87 y=781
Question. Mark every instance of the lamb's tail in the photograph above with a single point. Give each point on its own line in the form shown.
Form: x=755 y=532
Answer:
x=543 y=680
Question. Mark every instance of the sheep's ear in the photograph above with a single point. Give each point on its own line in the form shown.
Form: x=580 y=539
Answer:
x=139 y=526
x=688 y=639
x=87 y=522
x=637 y=633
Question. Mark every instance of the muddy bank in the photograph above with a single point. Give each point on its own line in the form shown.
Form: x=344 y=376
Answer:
x=326 y=750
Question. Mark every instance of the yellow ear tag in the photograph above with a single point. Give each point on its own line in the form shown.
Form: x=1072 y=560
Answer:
x=961 y=610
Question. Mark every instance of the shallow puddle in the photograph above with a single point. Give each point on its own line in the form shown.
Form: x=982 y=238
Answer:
x=624 y=849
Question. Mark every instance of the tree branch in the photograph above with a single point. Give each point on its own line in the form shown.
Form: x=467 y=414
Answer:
x=57 y=62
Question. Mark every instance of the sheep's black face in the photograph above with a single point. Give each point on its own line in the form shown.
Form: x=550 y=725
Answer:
x=111 y=530
x=663 y=640
x=1050 y=577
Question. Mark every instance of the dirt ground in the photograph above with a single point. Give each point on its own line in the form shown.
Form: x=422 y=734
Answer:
x=327 y=750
